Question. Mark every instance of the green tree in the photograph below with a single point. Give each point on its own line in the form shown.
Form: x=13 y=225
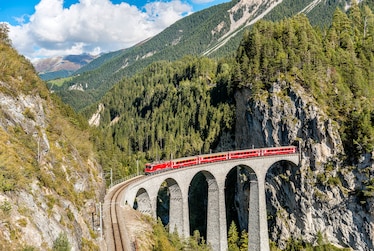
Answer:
x=233 y=238
x=243 y=243
x=162 y=242
x=196 y=242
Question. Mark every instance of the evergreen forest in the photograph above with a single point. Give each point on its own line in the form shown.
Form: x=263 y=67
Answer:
x=169 y=110
x=335 y=65
x=190 y=35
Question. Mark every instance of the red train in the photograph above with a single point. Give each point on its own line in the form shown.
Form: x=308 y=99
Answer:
x=156 y=167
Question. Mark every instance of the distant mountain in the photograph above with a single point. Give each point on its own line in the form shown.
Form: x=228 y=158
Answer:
x=214 y=32
x=59 y=67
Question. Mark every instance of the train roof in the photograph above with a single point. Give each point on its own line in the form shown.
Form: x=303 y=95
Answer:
x=221 y=153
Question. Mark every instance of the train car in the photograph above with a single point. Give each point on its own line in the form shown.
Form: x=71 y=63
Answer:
x=215 y=157
x=208 y=158
x=184 y=162
x=157 y=167
x=278 y=150
x=242 y=154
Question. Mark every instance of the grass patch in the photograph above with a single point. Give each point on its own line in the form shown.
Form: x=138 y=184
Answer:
x=59 y=82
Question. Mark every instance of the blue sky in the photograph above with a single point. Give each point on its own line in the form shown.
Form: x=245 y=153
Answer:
x=46 y=28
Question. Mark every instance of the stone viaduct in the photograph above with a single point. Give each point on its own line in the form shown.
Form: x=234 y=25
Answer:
x=178 y=181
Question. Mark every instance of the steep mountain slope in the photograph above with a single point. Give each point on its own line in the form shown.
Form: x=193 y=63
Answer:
x=50 y=180
x=215 y=32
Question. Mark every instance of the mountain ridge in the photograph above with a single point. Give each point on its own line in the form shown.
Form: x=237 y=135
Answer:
x=208 y=32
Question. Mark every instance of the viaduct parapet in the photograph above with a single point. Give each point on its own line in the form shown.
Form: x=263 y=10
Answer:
x=178 y=181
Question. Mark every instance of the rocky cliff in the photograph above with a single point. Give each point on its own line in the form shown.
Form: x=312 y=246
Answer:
x=323 y=196
x=50 y=180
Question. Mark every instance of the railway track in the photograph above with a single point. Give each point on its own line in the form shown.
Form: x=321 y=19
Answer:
x=116 y=235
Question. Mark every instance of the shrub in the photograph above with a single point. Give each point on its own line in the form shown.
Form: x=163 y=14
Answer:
x=88 y=245
x=61 y=243
x=6 y=207
x=6 y=184
x=29 y=248
x=29 y=114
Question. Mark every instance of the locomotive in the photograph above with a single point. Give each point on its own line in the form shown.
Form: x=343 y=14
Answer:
x=156 y=167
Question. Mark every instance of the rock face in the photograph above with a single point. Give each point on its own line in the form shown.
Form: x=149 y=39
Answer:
x=61 y=197
x=320 y=197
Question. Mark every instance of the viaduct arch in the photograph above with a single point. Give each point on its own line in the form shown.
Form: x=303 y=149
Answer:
x=178 y=181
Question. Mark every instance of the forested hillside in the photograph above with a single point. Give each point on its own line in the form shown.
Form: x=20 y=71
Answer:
x=319 y=13
x=167 y=110
x=190 y=35
x=216 y=32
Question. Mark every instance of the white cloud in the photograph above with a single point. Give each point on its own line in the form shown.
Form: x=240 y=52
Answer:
x=91 y=26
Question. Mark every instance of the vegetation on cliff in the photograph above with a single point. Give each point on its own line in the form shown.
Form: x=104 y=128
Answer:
x=164 y=241
x=334 y=65
x=47 y=163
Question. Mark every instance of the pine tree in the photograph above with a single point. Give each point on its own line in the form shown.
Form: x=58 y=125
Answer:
x=243 y=243
x=233 y=238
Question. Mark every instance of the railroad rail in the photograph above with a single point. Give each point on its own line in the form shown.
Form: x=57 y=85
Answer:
x=116 y=235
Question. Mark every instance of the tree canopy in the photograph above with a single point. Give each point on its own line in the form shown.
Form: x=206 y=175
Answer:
x=335 y=65
x=169 y=110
